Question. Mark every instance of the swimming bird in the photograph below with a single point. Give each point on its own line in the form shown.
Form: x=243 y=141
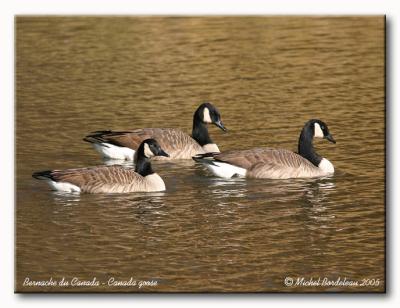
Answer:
x=179 y=145
x=110 y=179
x=272 y=163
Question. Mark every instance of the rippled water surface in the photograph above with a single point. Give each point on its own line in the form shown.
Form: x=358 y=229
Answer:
x=268 y=76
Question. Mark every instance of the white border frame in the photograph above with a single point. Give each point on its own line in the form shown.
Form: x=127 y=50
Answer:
x=204 y=7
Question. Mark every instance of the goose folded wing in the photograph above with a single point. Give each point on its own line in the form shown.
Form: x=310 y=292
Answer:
x=248 y=158
x=168 y=138
x=94 y=177
x=174 y=141
x=282 y=164
x=130 y=139
x=269 y=163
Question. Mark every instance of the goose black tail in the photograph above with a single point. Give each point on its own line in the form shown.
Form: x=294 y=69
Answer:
x=206 y=158
x=97 y=136
x=91 y=139
x=43 y=175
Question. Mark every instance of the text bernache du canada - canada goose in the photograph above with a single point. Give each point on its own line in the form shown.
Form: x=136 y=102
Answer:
x=271 y=163
x=179 y=145
x=110 y=179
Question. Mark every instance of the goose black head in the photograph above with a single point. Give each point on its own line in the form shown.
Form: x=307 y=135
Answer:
x=321 y=130
x=208 y=113
x=152 y=148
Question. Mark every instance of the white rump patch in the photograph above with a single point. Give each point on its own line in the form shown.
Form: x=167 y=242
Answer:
x=147 y=152
x=211 y=148
x=63 y=186
x=225 y=170
x=326 y=166
x=318 y=131
x=111 y=151
x=206 y=116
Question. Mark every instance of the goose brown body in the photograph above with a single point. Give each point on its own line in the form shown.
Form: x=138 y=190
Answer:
x=270 y=163
x=274 y=163
x=110 y=179
x=176 y=143
x=123 y=144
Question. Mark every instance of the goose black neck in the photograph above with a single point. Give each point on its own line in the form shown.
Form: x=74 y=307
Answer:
x=143 y=165
x=200 y=130
x=306 y=148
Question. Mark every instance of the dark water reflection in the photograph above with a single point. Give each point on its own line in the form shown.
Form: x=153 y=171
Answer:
x=267 y=76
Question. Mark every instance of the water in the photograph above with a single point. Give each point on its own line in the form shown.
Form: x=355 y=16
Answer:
x=267 y=76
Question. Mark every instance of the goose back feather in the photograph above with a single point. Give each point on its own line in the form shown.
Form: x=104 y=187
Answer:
x=107 y=179
x=268 y=163
x=175 y=142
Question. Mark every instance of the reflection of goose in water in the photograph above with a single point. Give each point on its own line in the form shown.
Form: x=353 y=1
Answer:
x=319 y=191
x=66 y=199
x=148 y=209
x=145 y=208
x=315 y=201
x=283 y=191
x=226 y=188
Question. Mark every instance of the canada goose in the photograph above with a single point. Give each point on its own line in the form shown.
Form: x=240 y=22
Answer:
x=110 y=179
x=179 y=145
x=274 y=163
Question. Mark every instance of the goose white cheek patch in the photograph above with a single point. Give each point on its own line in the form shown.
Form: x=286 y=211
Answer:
x=206 y=116
x=318 y=131
x=147 y=151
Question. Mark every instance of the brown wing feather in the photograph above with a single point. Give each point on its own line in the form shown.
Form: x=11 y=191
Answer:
x=101 y=179
x=130 y=139
x=270 y=163
x=175 y=142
